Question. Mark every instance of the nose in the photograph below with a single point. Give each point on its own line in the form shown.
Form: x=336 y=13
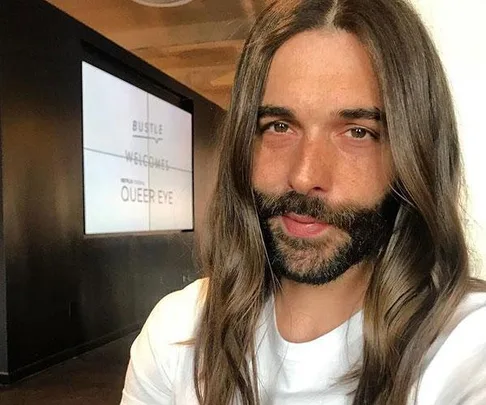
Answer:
x=312 y=166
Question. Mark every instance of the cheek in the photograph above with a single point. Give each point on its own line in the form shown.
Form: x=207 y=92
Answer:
x=384 y=170
x=367 y=180
x=258 y=169
x=268 y=172
x=364 y=179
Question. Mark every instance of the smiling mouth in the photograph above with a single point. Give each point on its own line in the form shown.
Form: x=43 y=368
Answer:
x=301 y=226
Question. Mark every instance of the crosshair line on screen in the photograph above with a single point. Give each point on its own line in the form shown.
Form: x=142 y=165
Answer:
x=157 y=140
x=179 y=169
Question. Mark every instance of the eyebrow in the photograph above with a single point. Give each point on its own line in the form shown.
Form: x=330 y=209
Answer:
x=274 y=111
x=373 y=114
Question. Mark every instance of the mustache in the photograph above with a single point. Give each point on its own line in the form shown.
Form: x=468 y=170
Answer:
x=344 y=218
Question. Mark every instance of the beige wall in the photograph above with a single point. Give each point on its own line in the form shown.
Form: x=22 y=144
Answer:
x=460 y=33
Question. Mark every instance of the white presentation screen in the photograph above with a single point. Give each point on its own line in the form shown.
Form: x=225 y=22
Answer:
x=137 y=158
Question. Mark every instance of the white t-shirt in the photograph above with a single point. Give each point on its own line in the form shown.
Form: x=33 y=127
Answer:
x=160 y=370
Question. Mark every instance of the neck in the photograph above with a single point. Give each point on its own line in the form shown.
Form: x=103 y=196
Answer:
x=305 y=312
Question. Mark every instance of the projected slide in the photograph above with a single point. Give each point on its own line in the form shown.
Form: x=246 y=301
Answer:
x=137 y=158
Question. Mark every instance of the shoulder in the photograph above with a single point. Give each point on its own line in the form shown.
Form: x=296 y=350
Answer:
x=468 y=322
x=154 y=356
x=174 y=317
x=466 y=331
x=456 y=364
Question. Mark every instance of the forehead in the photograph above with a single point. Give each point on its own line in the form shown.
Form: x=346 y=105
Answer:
x=322 y=69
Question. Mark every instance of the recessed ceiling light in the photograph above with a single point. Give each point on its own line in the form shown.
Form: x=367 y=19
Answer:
x=162 y=3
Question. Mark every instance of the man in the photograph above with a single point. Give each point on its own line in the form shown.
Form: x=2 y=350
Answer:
x=336 y=261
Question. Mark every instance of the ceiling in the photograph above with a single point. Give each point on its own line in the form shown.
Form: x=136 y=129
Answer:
x=198 y=44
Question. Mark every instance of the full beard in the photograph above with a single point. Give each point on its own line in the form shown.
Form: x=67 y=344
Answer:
x=357 y=235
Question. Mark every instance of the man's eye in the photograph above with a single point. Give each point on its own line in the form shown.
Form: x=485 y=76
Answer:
x=278 y=127
x=361 y=133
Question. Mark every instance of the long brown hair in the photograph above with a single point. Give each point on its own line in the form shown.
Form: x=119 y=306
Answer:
x=423 y=273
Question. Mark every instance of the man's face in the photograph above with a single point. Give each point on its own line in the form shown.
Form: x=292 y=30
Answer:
x=322 y=168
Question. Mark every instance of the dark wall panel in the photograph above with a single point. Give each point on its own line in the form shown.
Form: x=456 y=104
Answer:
x=66 y=292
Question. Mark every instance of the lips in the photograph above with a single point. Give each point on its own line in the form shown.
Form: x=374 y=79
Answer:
x=302 y=226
